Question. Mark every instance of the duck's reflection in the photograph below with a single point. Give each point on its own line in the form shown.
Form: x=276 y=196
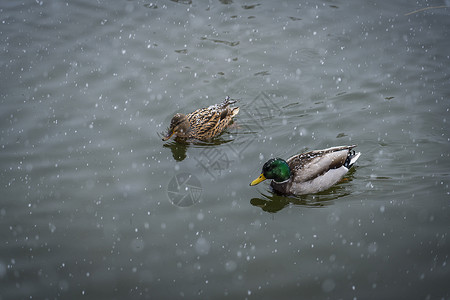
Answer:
x=274 y=203
x=179 y=146
x=178 y=149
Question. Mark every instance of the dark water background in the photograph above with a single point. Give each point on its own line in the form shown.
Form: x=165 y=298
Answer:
x=89 y=203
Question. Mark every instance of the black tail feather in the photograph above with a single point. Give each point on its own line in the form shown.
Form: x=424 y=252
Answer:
x=347 y=162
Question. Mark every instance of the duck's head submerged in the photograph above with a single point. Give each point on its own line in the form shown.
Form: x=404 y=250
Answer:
x=276 y=169
x=179 y=126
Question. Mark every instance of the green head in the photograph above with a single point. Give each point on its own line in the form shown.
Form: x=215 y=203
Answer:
x=276 y=169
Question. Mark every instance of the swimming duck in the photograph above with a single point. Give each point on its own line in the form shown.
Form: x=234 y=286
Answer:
x=204 y=123
x=309 y=172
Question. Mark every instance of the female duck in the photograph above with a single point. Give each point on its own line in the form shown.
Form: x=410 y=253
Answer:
x=204 y=123
x=309 y=172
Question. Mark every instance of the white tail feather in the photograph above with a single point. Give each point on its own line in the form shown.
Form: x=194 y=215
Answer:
x=355 y=158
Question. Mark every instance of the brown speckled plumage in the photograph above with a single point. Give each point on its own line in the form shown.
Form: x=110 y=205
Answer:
x=204 y=123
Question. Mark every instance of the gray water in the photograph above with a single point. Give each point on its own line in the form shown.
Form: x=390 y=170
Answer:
x=90 y=207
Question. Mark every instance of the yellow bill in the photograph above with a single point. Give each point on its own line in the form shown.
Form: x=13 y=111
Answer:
x=168 y=136
x=258 y=180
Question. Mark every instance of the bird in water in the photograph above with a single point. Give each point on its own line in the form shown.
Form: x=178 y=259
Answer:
x=204 y=123
x=309 y=172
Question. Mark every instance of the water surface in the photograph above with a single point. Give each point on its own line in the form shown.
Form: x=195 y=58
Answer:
x=88 y=207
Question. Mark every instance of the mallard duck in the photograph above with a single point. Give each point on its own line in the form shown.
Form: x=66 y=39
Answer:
x=204 y=123
x=309 y=172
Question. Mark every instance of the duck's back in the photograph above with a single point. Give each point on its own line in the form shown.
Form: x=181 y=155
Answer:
x=209 y=122
x=307 y=166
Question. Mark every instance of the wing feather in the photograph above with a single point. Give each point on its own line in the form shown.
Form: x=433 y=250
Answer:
x=307 y=166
